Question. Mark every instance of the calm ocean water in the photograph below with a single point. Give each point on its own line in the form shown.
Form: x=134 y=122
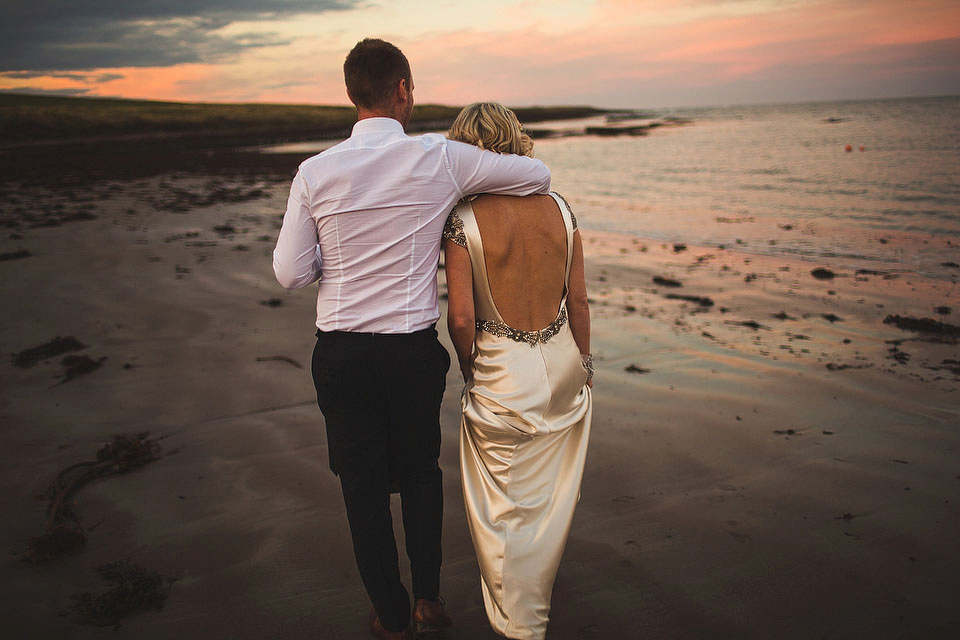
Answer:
x=777 y=180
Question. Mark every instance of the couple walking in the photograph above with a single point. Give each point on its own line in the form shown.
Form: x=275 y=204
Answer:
x=366 y=218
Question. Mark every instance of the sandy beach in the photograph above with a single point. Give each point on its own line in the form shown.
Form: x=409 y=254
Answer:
x=769 y=458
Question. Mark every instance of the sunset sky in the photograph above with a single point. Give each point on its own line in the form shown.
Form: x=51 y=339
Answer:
x=606 y=53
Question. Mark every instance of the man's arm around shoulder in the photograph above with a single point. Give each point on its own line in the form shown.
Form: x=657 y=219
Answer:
x=478 y=171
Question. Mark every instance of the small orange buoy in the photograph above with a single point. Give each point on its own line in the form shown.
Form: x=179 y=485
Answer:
x=862 y=148
x=849 y=147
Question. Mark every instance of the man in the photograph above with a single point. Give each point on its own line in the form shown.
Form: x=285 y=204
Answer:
x=365 y=218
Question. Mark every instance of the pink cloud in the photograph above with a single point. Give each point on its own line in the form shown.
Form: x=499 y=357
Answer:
x=618 y=47
x=630 y=51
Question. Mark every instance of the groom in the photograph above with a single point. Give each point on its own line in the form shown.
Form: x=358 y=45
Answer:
x=364 y=218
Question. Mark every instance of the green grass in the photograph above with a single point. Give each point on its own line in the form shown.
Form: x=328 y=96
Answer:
x=35 y=118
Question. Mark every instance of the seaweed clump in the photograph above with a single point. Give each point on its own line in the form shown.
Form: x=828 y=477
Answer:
x=927 y=326
x=135 y=589
x=76 y=366
x=55 y=347
x=65 y=533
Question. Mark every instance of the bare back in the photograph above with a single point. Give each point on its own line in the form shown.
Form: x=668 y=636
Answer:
x=525 y=252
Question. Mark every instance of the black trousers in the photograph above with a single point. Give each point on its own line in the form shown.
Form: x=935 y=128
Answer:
x=380 y=397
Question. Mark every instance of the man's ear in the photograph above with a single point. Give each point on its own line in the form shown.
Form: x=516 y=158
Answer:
x=400 y=93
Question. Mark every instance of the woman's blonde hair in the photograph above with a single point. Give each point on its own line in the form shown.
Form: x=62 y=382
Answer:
x=492 y=126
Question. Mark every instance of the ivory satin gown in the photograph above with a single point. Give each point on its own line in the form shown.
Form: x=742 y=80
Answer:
x=523 y=442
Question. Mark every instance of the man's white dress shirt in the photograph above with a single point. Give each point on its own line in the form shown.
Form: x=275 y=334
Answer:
x=365 y=218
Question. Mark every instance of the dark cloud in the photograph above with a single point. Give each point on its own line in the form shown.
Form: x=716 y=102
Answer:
x=104 y=77
x=52 y=35
x=79 y=77
x=28 y=75
x=46 y=92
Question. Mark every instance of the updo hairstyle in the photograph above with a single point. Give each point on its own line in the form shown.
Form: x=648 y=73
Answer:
x=492 y=126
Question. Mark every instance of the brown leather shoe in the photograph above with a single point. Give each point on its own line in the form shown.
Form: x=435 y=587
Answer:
x=430 y=616
x=378 y=631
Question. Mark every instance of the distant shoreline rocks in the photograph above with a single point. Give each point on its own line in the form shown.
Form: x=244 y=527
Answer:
x=634 y=130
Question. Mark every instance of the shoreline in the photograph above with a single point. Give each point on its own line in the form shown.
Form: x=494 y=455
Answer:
x=28 y=121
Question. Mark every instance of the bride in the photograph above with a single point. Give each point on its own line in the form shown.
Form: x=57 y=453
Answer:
x=520 y=324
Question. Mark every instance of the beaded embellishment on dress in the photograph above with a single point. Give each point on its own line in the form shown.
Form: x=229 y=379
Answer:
x=453 y=229
x=532 y=338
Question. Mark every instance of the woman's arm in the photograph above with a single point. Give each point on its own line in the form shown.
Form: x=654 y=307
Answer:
x=461 y=317
x=578 y=309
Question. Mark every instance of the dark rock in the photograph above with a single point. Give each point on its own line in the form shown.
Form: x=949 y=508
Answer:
x=922 y=325
x=822 y=274
x=833 y=366
x=702 y=301
x=638 y=130
x=900 y=356
x=629 y=115
x=632 y=368
x=666 y=282
x=15 y=255
x=750 y=324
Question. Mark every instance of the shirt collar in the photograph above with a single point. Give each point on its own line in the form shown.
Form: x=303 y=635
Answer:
x=377 y=125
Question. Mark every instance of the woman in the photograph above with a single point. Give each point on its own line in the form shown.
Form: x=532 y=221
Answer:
x=520 y=324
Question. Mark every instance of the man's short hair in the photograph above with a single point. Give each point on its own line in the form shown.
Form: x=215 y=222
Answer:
x=371 y=72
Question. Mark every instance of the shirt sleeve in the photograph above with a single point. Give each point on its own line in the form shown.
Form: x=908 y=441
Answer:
x=475 y=170
x=296 y=258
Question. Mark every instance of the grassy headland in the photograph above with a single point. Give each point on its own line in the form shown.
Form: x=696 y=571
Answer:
x=31 y=119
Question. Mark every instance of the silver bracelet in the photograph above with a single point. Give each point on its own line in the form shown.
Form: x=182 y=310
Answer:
x=587 y=360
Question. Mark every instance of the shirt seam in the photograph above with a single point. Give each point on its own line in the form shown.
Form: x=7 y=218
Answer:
x=340 y=280
x=449 y=168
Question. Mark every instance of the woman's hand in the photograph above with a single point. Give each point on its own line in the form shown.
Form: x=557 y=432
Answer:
x=587 y=360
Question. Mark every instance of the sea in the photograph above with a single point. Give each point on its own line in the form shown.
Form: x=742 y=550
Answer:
x=862 y=184
x=869 y=184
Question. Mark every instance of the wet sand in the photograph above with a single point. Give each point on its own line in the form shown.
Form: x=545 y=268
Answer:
x=778 y=463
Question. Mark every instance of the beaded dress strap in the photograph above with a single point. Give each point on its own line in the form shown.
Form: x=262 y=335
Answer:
x=453 y=229
x=573 y=218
